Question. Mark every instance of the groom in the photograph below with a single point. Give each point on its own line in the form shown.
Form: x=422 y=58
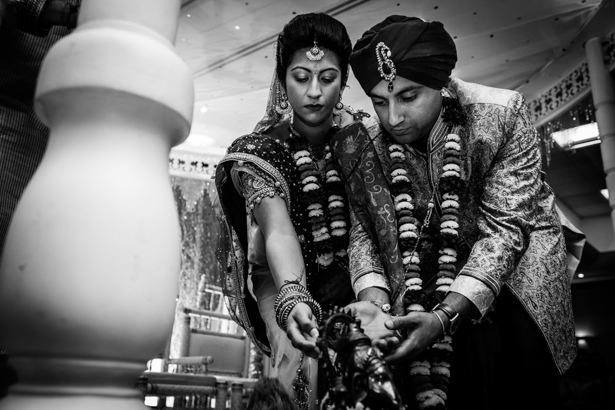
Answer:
x=449 y=204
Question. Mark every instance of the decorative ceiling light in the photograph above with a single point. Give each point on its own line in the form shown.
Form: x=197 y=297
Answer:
x=577 y=137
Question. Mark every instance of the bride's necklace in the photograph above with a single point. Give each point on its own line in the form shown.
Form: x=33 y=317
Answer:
x=322 y=202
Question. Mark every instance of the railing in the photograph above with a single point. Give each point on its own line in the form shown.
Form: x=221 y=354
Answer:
x=200 y=322
x=194 y=391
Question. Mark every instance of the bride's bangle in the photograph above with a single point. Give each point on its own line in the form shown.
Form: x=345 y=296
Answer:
x=288 y=298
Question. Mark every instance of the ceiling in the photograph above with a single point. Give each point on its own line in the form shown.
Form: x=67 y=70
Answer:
x=526 y=45
x=228 y=46
x=577 y=178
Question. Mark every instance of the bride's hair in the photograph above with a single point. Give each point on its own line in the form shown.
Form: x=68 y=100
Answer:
x=300 y=33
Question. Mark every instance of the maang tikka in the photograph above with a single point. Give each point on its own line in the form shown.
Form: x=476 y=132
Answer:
x=315 y=53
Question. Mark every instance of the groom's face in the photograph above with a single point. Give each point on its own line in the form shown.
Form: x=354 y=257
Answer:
x=409 y=111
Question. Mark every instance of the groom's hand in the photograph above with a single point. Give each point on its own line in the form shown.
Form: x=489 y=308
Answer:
x=422 y=329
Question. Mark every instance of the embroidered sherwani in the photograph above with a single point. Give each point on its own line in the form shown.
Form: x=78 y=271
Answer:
x=510 y=229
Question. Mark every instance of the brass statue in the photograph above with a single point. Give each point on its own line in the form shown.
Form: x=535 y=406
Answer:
x=356 y=370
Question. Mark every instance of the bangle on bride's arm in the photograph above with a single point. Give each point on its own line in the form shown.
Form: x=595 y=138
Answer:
x=288 y=286
x=289 y=297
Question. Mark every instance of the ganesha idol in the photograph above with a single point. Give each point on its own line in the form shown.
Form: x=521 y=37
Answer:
x=357 y=372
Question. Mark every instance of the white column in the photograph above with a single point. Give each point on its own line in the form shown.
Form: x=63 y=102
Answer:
x=603 y=93
x=90 y=271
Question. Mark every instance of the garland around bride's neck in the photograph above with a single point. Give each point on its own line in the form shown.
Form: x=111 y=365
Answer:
x=322 y=202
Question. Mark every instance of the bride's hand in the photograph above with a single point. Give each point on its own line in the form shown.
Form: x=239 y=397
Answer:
x=372 y=320
x=302 y=330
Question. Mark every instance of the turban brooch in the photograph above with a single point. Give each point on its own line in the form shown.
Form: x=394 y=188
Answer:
x=409 y=47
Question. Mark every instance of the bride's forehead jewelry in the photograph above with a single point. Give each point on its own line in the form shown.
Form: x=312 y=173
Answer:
x=315 y=53
x=386 y=67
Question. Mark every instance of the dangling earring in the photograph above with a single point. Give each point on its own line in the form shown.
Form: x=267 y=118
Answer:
x=283 y=106
x=339 y=106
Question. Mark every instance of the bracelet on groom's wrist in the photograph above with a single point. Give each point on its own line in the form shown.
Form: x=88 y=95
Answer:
x=441 y=322
x=452 y=315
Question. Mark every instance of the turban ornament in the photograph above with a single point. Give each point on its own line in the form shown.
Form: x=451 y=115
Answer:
x=408 y=47
x=386 y=67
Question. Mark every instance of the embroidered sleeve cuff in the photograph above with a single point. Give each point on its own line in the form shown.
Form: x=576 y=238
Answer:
x=370 y=280
x=476 y=291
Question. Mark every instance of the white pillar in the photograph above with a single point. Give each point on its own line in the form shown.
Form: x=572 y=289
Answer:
x=603 y=93
x=90 y=270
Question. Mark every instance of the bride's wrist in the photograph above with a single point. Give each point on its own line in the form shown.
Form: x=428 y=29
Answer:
x=374 y=293
x=384 y=306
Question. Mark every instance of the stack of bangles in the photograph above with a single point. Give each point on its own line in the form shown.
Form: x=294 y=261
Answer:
x=288 y=297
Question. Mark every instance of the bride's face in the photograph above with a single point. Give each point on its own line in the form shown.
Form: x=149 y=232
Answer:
x=313 y=87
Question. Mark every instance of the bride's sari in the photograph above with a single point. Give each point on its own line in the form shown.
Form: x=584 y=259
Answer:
x=256 y=166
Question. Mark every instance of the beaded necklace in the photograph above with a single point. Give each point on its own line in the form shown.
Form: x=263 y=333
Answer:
x=430 y=373
x=322 y=199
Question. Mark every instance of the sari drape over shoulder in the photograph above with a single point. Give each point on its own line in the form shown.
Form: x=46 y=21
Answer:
x=274 y=164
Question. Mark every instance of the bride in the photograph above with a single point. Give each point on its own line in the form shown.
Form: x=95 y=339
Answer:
x=285 y=214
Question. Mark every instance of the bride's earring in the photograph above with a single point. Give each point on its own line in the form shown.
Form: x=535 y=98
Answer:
x=339 y=106
x=283 y=106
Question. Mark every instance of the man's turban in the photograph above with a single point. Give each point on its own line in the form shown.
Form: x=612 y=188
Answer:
x=404 y=46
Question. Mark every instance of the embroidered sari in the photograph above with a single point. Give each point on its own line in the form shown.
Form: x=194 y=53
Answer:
x=256 y=166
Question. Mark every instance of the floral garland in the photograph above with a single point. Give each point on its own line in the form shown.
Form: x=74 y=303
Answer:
x=430 y=373
x=323 y=216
